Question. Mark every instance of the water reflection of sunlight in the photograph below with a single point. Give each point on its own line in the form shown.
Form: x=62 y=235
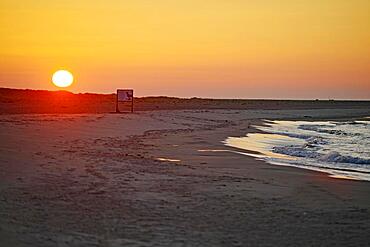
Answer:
x=343 y=177
x=260 y=143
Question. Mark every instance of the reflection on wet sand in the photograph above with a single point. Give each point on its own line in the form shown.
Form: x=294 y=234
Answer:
x=167 y=159
x=213 y=150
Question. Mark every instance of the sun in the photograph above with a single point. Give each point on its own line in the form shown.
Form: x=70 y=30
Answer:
x=62 y=78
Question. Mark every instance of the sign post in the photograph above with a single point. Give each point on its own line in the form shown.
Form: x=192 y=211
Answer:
x=125 y=95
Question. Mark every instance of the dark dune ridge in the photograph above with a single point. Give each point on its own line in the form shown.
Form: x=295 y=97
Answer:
x=21 y=101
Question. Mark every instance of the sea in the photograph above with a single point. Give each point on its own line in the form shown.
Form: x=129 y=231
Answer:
x=339 y=148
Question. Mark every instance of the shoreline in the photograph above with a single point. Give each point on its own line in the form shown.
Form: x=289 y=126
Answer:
x=330 y=172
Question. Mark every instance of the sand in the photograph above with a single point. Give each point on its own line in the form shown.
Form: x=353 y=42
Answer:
x=164 y=178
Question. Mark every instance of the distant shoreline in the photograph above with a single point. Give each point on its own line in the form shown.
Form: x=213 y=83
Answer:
x=26 y=101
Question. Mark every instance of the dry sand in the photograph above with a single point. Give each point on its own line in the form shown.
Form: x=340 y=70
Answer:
x=152 y=179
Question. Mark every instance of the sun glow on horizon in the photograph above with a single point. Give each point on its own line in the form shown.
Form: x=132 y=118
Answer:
x=62 y=78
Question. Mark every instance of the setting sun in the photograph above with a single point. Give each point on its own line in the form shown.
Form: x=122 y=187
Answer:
x=62 y=78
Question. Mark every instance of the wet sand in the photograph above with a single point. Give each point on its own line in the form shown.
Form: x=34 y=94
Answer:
x=164 y=178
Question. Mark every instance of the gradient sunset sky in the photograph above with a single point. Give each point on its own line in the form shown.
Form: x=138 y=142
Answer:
x=204 y=48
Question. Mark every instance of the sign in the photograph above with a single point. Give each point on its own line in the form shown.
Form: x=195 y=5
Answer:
x=125 y=95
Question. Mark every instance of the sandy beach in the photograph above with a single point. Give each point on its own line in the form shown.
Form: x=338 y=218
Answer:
x=164 y=178
x=184 y=123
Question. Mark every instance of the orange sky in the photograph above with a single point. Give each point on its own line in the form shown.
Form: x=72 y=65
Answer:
x=208 y=48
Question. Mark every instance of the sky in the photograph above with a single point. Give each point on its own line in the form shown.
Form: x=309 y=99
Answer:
x=291 y=49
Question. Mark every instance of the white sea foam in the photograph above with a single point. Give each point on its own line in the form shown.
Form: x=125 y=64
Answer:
x=339 y=148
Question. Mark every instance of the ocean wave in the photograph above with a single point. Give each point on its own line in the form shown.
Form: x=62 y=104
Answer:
x=296 y=151
x=295 y=135
x=336 y=157
x=332 y=157
x=316 y=141
x=321 y=129
x=339 y=148
x=311 y=140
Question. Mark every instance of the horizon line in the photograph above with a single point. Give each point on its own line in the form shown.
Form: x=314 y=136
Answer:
x=191 y=97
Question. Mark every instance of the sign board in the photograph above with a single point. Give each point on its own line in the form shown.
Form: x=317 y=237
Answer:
x=125 y=95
